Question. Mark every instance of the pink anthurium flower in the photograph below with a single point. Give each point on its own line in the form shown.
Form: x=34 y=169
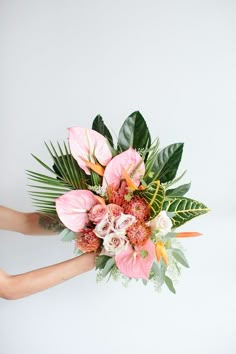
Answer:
x=136 y=263
x=72 y=208
x=86 y=145
x=129 y=161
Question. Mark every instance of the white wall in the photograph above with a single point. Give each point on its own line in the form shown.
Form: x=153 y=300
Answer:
x=63 y=62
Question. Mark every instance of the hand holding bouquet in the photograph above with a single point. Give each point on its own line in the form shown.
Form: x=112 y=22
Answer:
x=117 y=200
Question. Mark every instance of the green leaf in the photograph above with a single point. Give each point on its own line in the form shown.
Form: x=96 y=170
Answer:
x=156 y=270
x=67 y=235
x=109 y=265
x=43 y=164
x=154 y=195
x=134 y=133
x=167 y=162
x=170 y=284
x=179 y=191
x=144 y=281
x=101 y=261
x=180 y=257
x=149 y=157
x=67 y=176
x=144 y=253
x=184 y=208
x=101 y=128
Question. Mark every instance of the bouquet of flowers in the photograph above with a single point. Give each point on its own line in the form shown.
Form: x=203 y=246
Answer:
x=117 y=200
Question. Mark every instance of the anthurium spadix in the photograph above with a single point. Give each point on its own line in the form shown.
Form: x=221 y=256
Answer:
x=87 y=145
x=131 y=162
x=72 y=208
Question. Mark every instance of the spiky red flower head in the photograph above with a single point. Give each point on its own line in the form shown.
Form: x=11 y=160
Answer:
x=137 y=207
x=87 y=241
x=116 y=195
x=138 y=233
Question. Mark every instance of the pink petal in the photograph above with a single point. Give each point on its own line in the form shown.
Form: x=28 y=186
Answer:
x=132 y=264
x=72 y=208
x=86 y=143
x=129 y=159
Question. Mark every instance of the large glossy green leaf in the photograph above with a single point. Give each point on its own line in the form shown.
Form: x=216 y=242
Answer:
x=167 y=162
x=100 y=127
x=134 y=132
x=154 y=195
x=178 y=191
x=184 y=208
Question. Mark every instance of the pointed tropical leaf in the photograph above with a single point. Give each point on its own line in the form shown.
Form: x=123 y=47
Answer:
x=174 y=181
x=100 y=127
x=149 y=157
x=180 y=257
x=167 y=162
x=178 y=191
x=108 y=267
x=169 y=284
x=184 y=208
x=101 y=261
x=134 y=133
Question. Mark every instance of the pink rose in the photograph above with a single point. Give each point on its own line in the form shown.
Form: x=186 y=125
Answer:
x=104 y=227
x=114 y=209
x=114 y=243
x=97 y=213
x=123 y=221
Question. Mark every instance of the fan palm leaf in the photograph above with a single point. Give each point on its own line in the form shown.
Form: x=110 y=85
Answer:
x=66 y=176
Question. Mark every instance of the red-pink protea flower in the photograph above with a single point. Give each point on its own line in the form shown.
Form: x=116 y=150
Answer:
x=116 y=195
x=137 y=207
x=138 y=233
x=87 y=241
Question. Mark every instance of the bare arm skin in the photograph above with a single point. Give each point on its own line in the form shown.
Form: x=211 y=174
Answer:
x=28 y=223
x=13 y=287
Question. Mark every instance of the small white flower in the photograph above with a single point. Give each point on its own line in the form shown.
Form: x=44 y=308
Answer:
x=161 y=223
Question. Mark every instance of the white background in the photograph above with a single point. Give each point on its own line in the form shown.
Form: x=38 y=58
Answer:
x=64 y=62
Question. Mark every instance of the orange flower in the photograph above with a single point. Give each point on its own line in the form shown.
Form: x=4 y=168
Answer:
x=161 y=252
x=187 y=234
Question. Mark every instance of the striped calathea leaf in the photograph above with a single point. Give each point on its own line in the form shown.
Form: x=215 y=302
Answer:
x=154 y=195
x=184 y=208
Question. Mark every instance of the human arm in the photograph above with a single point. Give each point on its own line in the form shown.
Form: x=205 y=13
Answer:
x=28 y=223
x=14 y=287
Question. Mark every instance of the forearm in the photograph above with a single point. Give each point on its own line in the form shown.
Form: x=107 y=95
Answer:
x=28 y=223
x=17 y=286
